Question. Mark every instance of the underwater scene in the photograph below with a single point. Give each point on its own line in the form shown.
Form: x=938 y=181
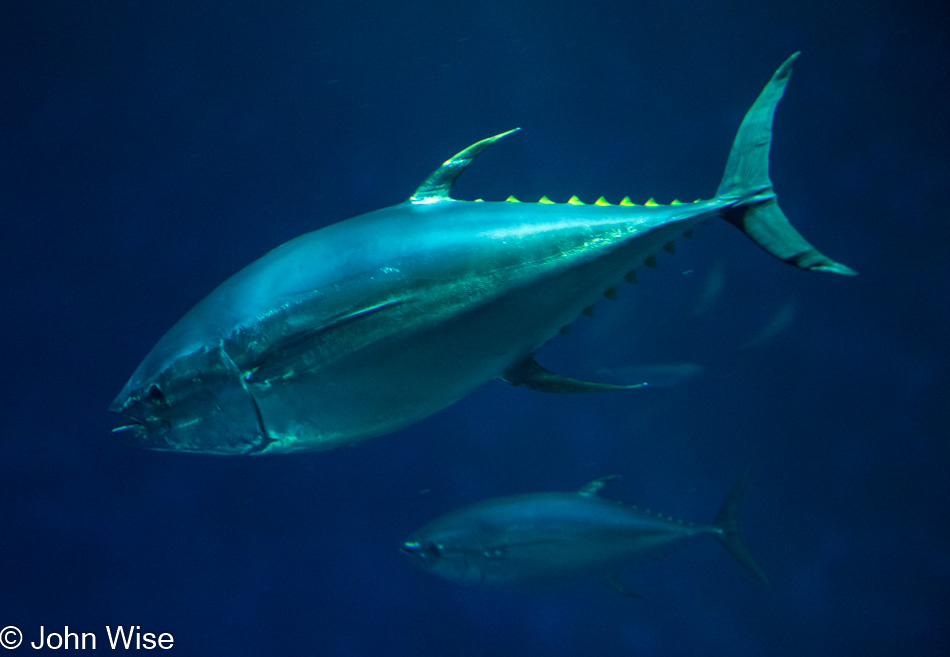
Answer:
x=526 y=328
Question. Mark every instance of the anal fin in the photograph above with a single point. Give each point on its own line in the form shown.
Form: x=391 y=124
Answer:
x=531 y=375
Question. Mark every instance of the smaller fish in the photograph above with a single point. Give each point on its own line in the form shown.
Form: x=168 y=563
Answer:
x=545 y=538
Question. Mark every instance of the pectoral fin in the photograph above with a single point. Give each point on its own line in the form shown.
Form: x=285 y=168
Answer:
x=531 y=375
x=283 y=352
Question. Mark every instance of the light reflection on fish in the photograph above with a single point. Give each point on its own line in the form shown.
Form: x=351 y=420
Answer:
x=547 y=538
x=376 y=322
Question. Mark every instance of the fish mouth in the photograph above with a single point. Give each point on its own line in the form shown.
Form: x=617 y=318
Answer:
x=422 y=553
x=135 y=432
x=413 y=551
x=410 y=548
x=150 y=435
x=135 y=429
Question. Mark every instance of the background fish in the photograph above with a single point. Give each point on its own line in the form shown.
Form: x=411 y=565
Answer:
x=542 y=538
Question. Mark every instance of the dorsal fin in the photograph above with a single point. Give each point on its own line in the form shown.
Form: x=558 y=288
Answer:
x=592 y=488
x=438 y=185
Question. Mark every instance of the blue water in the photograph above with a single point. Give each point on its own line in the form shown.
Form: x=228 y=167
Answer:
x=149 y=150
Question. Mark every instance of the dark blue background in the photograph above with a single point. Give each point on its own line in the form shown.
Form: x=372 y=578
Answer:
x=149 y=150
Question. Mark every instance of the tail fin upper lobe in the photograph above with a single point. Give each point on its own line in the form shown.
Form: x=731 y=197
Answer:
x=746 y=180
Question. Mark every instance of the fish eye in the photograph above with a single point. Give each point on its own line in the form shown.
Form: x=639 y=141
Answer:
x=155 y=395
x=434 y=550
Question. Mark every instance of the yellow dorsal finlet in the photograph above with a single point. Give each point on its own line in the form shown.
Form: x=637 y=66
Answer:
x=625 y=201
